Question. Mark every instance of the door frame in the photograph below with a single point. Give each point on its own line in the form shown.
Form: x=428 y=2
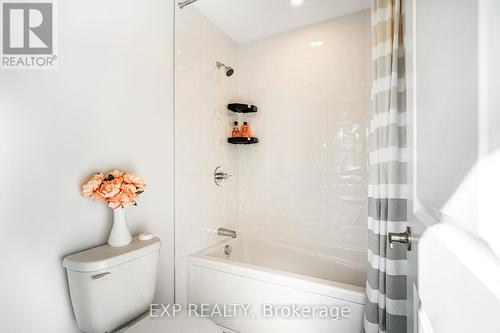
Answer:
x=420 y=215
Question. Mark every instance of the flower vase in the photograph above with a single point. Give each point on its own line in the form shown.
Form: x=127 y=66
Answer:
x=120 y=235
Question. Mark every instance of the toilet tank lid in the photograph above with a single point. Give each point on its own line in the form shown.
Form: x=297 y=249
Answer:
x=105 y=257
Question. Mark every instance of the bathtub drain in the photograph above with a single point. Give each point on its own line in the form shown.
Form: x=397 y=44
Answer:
x=227 y=250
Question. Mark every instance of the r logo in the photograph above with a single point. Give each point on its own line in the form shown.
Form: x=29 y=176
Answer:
x=27 y=28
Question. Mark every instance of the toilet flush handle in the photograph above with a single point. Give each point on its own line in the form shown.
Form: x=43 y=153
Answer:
x=101 y=276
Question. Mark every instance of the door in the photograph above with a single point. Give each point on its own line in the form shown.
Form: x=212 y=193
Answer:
x=453 y=139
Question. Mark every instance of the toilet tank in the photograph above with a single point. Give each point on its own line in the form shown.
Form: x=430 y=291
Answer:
x=111 y=285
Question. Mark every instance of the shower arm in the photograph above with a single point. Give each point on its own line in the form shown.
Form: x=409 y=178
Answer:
x=185 y=3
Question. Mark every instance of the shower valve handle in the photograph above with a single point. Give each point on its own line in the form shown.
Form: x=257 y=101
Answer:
x=400 y=237
x=220 y=176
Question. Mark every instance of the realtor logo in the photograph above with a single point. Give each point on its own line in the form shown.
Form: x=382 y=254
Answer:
x=28 y=34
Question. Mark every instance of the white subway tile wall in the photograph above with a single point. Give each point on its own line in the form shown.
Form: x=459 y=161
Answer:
x=306 y=179
x=201 y=121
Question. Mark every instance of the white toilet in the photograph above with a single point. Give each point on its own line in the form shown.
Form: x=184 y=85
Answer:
x=111 y=286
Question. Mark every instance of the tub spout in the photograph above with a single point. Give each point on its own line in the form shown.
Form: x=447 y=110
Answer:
x=226 y=232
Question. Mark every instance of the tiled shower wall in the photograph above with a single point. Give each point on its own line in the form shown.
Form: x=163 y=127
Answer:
x=306 y=179
x=201 y=121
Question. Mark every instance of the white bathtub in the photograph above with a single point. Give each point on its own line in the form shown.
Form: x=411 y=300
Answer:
x=281 y=275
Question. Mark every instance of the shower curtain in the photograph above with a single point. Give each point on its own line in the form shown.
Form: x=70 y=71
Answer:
x=385 y=309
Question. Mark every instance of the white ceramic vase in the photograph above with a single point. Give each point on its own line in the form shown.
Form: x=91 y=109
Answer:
x=120 y=235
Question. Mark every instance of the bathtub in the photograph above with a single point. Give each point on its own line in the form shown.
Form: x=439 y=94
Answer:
x=276 y=280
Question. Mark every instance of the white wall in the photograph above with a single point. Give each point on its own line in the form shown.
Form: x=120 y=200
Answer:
x=306 y=179
x=202 y=121
x=108 y=105
x=447 y=78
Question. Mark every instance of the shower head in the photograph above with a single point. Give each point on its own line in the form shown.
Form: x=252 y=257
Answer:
x=228 y=70
x=185 y=3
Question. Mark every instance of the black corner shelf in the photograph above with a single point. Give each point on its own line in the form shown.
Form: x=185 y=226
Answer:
x=243 y=140
x=242 y=108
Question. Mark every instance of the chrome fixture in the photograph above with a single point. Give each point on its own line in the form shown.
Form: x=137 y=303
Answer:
x=401 y=237
x=185 y=3
x=227 y=250
x=220 y=176
x=226 y=232
x=228 y=70
x=100 y=276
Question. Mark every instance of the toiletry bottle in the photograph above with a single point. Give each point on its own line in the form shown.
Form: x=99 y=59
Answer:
x=236 y=130
x=245 y=130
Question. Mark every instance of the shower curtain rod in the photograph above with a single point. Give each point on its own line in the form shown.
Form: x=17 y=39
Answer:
x=185 y=3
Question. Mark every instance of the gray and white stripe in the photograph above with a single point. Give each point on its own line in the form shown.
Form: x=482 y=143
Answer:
x=385 y=309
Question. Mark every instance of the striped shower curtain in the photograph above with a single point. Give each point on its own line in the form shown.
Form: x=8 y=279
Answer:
x=385 y=309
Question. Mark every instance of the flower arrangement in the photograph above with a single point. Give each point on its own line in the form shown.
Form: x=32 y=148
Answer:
x=118 y=188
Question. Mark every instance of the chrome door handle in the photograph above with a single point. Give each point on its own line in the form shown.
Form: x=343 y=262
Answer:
x=100 y=276
x=400 y=237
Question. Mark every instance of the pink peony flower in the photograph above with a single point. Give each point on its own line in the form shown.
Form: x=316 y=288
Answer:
x=115 y=174
x=130 y=178
x=109 y=189
x=115 y=204
x=89 y=188
x=116 y=187
x=128 y=195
